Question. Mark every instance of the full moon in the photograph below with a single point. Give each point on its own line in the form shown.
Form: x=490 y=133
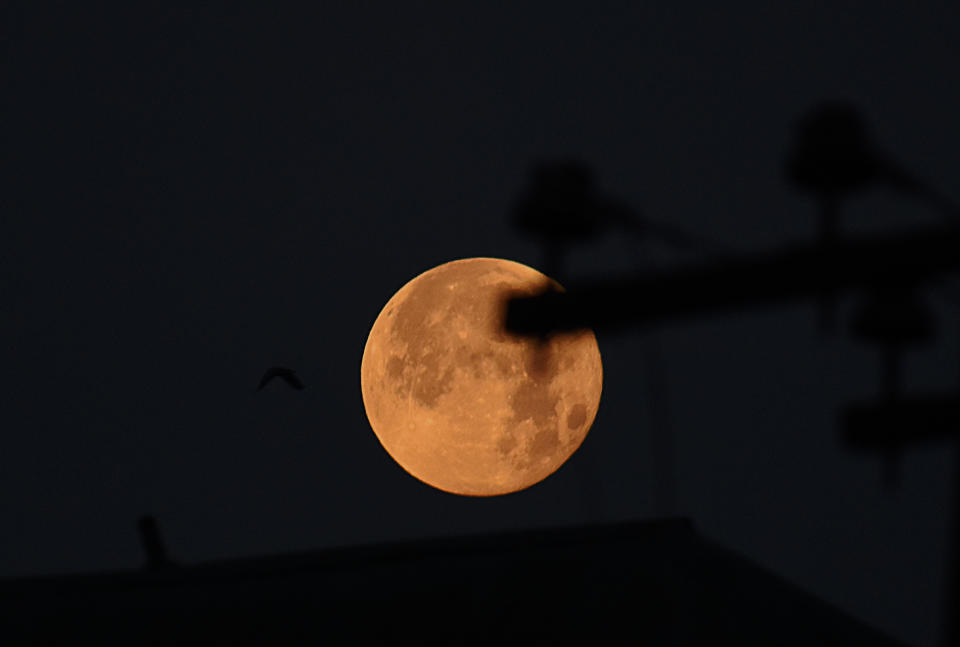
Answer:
x=462 y=404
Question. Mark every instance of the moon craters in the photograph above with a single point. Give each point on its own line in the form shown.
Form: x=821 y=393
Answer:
x=460 y=403
x=577 y=416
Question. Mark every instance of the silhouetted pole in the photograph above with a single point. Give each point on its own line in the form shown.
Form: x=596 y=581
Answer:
x=885 y=261
x=893 y=317
x=952 y=613
x=829 y=217
x=953 y=583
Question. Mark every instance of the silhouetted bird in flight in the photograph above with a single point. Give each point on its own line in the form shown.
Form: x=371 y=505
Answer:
x=287 y=375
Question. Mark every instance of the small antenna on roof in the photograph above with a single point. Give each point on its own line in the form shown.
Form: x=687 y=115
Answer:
x=152 y=543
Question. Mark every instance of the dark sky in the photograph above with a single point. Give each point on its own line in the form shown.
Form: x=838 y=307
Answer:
x=189 y=196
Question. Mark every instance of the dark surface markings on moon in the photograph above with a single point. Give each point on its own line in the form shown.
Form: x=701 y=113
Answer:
x=465 y=405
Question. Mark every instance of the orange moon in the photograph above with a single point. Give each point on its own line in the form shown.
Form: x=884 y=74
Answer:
x=460 y=403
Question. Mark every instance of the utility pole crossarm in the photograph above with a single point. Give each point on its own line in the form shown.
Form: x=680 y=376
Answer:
x=902 y=423
x=790 y=273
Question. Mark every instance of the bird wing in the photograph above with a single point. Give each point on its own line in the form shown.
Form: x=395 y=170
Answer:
x=272 y=373
x=269 y=375
x=291 y=379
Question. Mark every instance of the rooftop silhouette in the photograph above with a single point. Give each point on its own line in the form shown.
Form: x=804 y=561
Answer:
x=653 y=582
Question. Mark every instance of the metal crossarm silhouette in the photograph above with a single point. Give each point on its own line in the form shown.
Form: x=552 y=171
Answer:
x=790 y=273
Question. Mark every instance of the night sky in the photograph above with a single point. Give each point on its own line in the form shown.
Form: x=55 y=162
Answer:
x=189 y=196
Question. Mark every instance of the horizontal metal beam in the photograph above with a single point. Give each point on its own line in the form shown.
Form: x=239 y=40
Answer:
x=902 y=423
x=782 y=275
